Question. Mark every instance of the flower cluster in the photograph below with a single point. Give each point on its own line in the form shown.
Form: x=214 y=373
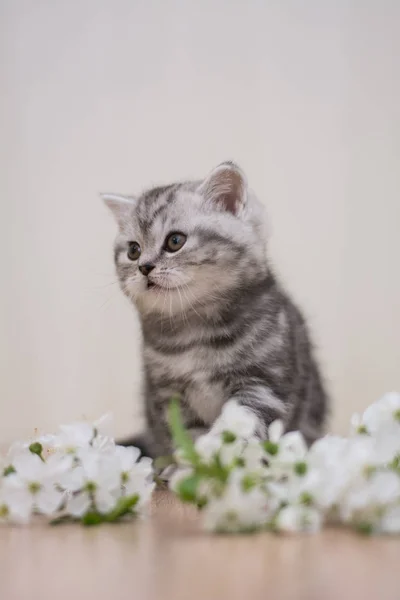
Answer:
x=78 y=474
x=244 y=484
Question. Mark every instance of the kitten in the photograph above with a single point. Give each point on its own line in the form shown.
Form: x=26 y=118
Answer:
x=216 y=323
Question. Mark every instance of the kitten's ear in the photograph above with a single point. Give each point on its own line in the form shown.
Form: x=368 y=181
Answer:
x=120 y=206
x=226 y=185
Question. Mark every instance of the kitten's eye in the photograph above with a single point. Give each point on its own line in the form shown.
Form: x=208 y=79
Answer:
x=134 y=251
x=175 y=241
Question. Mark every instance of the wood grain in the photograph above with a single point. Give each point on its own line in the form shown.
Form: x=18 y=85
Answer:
x=168 y=557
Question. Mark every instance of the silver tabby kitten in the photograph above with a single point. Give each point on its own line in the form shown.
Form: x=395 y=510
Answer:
x=216 y=323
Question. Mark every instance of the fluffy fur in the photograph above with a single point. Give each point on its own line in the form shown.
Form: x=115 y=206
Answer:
x=216 y=323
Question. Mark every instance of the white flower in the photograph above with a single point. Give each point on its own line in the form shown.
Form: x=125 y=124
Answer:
x=224 y=444
x=386 y=445
x=17 y=448
x=381 y=413
x=292 y=454
x=389 y=521
x=127 y=457
x=94 y=484
x=357 y=426
x=237 y=509
x=135 y=477
x=293 y=519
x=177 y=477
x=208 y=445
x=237 y=419
x=254 y=456
x=141 y=483
x=286 y=450
x=229 y=453
x=76 y=436
x=333 y=464
x=103 y=443
x=369 y=494
x=14 y=450
x=14 y=506
x=34 y=482
x=84 y=471
x=328 y=451
x=104 y=425
x=292 y=447
x=275 y=431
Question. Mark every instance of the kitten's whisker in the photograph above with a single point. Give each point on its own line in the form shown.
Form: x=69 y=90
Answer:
x=106 y=285
x=184 y=316
x=157 y=295
x=107 y=301
x=185 y=286
x=170 y=312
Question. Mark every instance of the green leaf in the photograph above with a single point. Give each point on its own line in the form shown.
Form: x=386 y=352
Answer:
x=8 y=470
x=64 y=519
x=228 y=437
x=92 y=518
x=395 y=464
x=37 y=448
x=362 y=430
x=187 y=488
x=306 y=499
x=364 y=528
x=122 y=508
x=213 y=470
x=201 y=502
x=249 y=481
x=300 y=468
x=180 y=436
x=220 y=471
x=271 y=448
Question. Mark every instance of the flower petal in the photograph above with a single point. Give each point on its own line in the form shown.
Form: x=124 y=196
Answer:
x=48 y=501
x=275 y=431
x=29 y=466
x=78 y=505
x=127 y=456
x=18 y=503
x=73 y=480
x=105 y=501
x=77 y=434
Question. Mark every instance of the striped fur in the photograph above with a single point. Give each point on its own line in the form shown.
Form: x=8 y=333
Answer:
x=216 y=324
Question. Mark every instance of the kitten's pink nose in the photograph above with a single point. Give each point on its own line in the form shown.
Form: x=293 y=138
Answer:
x=146 y=268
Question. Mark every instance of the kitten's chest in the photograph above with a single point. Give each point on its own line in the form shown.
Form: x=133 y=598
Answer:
x=190 y=374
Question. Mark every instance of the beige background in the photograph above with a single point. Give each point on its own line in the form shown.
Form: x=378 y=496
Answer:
x=115 y=95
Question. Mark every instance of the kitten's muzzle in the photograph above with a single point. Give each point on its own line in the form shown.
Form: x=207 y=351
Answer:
x=146 y=268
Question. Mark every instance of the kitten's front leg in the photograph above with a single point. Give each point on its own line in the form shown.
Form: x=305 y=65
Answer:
x=154 y=441
x=196 y=432
x=266 y=405
x=144 y=441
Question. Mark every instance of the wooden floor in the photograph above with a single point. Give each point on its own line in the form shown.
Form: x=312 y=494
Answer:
x=168 y=557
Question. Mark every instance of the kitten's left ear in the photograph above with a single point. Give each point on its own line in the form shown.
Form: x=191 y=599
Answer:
x=226 y=186
x=120 y=206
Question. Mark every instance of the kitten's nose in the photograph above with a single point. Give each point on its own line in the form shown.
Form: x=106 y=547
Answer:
x=146 y=268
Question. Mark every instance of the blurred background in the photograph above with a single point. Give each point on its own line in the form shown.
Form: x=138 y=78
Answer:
x=117 y=95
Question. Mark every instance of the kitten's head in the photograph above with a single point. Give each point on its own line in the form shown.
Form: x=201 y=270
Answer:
x=188 y=245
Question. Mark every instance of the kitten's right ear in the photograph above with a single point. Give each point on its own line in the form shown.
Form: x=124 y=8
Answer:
x=120 y=206
x=226 y=187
